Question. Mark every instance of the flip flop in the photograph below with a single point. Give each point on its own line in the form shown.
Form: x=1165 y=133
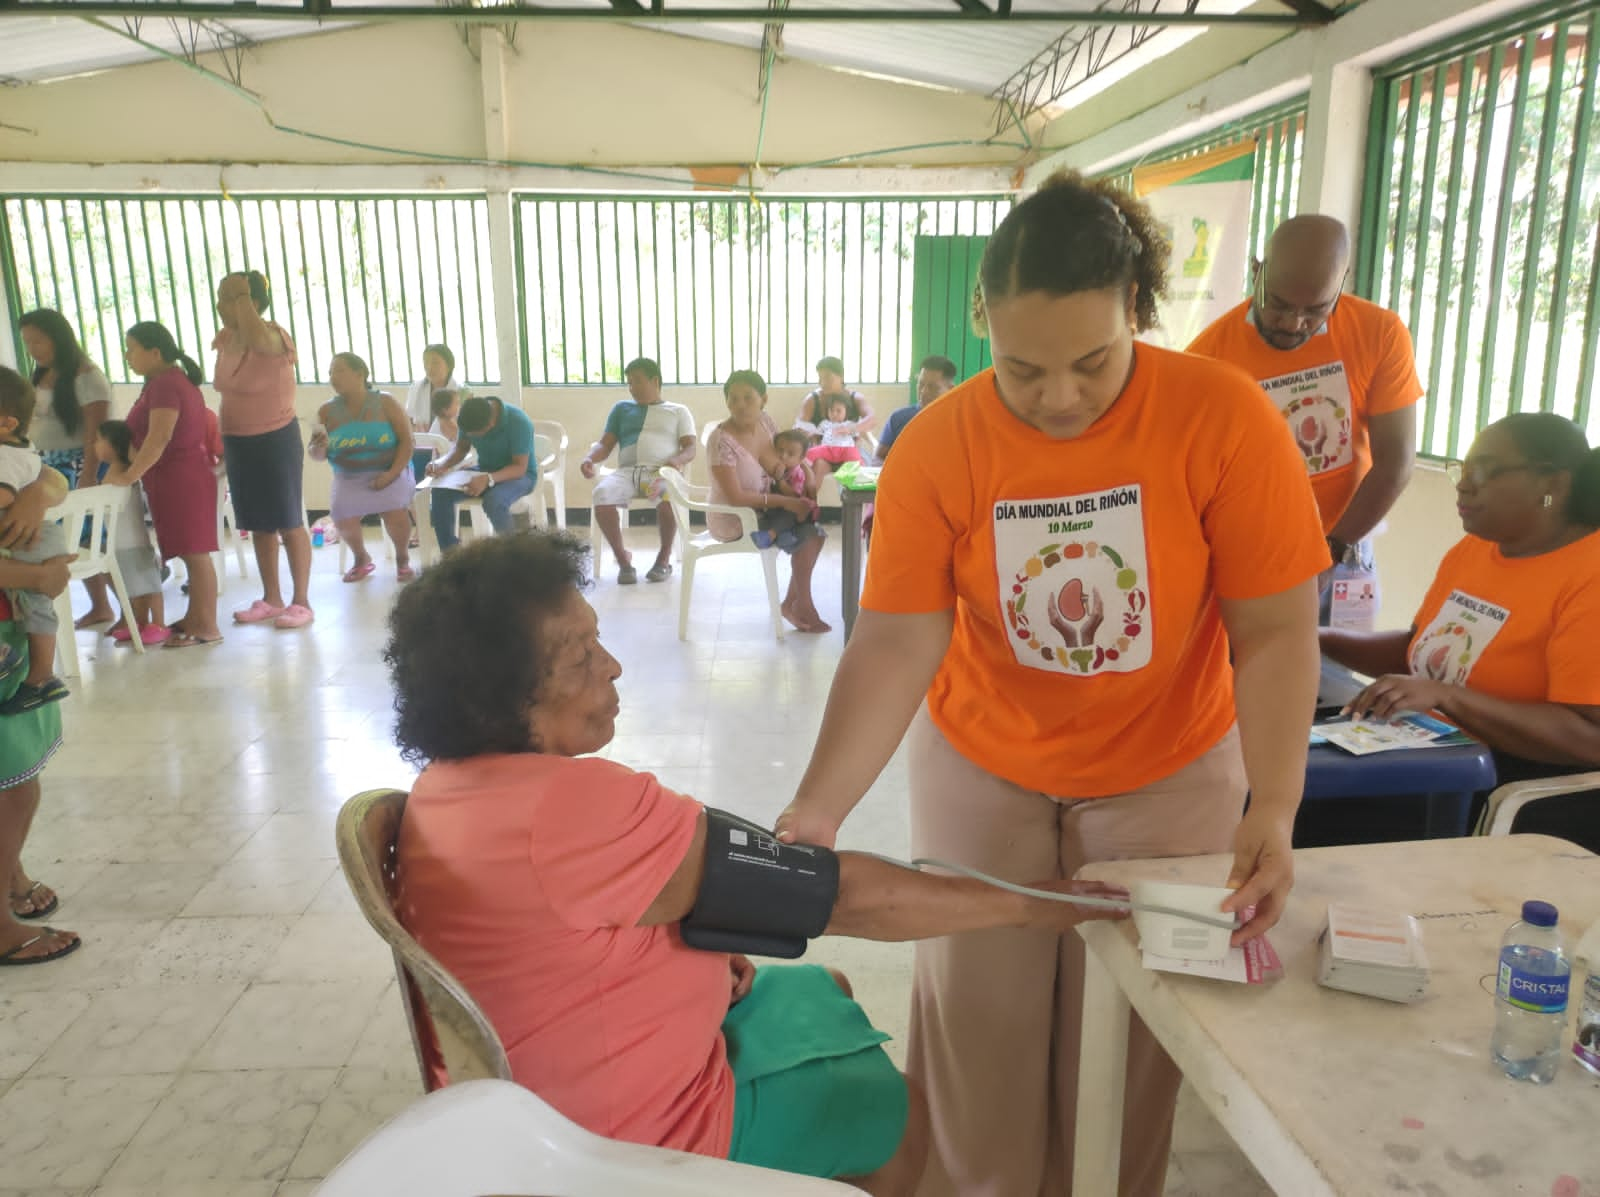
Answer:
x=120 y=634
x=9 y=959
x=184 y=640
x=38 y=912
x=405 y=573
x=357 y=573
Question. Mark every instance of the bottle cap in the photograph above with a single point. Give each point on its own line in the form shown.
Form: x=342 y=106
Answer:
x=1539 y=914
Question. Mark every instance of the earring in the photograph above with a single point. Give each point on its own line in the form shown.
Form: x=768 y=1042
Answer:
x=1549 y=500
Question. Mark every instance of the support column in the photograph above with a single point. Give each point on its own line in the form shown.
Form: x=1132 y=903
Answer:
x=502 y=223
x=1336 y=140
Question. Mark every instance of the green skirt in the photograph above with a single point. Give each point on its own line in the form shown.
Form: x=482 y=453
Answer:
x=814 y=1091
x=29 y=740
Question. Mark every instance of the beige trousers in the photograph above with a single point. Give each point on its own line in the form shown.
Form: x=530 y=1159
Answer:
x=996 y=1015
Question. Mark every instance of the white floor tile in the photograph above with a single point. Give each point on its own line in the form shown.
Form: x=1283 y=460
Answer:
x=275 y=1026
x=139 y=1029
x=225 y=1127
x=66 y=1131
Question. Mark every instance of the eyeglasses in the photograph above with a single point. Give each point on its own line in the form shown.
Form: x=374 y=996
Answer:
x=1482 y=473
x=1272 y=306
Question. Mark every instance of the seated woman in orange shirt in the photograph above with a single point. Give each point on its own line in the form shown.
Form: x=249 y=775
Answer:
x=553 y=883
x=1505 y=642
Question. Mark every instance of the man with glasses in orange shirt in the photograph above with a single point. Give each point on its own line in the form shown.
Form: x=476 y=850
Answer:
x=1340 y=369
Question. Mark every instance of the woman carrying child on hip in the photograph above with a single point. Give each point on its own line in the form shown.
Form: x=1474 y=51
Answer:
x=20 y=466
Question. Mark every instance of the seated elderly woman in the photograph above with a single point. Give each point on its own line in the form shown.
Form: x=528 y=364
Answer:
x=565 y=892
x=1505 y=642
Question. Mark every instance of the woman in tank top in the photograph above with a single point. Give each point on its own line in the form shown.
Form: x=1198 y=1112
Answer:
x=366 y=437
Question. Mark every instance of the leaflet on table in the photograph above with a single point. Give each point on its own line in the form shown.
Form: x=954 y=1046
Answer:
x=1253 y=964
x=1359 y=737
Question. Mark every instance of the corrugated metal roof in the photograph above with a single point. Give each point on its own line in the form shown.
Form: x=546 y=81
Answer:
x=962 y=56
x=43 y=48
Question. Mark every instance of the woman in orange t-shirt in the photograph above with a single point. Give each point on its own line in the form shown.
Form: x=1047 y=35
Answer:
x=1504 y=643
x=1062 y=557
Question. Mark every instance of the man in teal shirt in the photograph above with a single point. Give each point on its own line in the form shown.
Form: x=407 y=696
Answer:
x=503 y=437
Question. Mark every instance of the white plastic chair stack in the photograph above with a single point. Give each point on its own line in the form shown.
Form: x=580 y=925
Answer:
x=684 y=501
x=99 y=508
x=552 y=458
x=479 y=1137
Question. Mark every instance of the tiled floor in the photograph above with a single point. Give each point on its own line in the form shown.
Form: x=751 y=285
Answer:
x=230 y=1026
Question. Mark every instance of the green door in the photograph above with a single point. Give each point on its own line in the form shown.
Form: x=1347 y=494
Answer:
x=944 y=278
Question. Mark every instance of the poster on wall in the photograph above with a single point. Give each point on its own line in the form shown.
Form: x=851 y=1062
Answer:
x=1203 y=203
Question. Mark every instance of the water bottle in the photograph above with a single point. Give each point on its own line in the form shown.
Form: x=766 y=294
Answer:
x=1530 y=1022
x=317 y=538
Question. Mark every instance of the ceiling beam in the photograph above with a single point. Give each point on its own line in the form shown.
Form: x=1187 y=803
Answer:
x=1312 y=10
x=659 y=11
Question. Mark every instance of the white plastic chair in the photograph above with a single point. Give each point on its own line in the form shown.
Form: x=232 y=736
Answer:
x=99 y=508
x=1508 y=800
x=481 y=1137
x=597 y=538
x=552 y=458
x=227 y=529
x=683 y=501
x=531 y=504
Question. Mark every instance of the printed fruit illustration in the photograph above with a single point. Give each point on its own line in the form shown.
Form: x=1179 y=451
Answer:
x=1436 y=661
x=1034 y=568
x=1072 y=602
x=1126 y=578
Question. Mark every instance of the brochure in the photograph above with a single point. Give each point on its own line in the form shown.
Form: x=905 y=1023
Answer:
x=1359 y=737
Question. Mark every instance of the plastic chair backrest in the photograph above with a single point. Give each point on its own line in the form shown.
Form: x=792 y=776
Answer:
x=431 y=441
x=92 y=511
x=449 y=1031
x=544 y=451
x=678 y=494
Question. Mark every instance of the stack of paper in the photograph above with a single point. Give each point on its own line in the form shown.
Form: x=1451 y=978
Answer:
x=1375 y=953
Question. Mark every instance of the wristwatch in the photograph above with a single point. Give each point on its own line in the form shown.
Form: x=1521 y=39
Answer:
x=490 y=477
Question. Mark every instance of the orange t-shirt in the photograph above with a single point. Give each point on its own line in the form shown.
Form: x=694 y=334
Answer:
x=1360 y=366
x=1187 y=490
x=526 y=875
x=1525 y=629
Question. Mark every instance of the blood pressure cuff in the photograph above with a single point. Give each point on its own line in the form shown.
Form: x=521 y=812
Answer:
x=759 y=895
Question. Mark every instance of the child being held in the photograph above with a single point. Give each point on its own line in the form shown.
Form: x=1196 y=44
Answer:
x=794 y=477
x=838 y=433
x=20 y=465
x=446 y=407
x=136 y=556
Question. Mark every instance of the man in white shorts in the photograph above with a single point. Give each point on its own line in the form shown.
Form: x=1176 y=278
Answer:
x=648 y=433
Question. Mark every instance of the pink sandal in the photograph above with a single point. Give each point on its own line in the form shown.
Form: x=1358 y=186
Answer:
x=357 y=573
x=294 y=616
x=259 y=611
x=405 y=573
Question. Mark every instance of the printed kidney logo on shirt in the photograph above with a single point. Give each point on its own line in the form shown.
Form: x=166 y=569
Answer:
x=1074 y=581
x=1451 y=645
x=1316 y=402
